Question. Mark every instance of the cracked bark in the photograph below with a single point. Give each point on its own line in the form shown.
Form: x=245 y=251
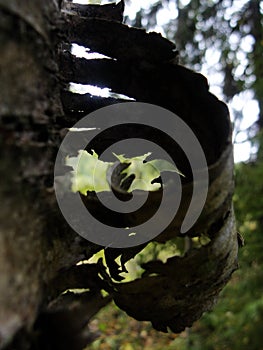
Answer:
x=38 y=250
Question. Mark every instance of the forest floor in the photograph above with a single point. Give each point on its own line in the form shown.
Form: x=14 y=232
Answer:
x=118 y=331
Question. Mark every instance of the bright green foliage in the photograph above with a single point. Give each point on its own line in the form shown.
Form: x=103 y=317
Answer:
x=91 y=174
x=145 y=172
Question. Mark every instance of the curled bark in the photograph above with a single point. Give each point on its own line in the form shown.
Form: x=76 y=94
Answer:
x=38 y=250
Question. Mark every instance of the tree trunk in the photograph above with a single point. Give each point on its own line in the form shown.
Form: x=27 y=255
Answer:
x=38 y=249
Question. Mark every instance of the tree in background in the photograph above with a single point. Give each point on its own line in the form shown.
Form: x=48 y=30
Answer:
x=227 y=33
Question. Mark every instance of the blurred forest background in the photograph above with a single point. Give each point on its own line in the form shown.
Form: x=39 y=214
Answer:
x=223 y=39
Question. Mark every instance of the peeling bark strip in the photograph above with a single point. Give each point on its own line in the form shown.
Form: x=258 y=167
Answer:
x=38 y=250
x=176 y=293
x=113 y=12
x=120 y=41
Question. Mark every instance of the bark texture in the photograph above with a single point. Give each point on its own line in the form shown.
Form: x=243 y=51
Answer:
x=38 y=250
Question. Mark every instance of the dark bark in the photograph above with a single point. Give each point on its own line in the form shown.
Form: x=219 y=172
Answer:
x=38 y=250
x=120 y=40
x=35 y=243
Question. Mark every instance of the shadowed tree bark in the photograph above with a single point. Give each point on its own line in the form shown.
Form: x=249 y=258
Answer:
x=39 y=252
